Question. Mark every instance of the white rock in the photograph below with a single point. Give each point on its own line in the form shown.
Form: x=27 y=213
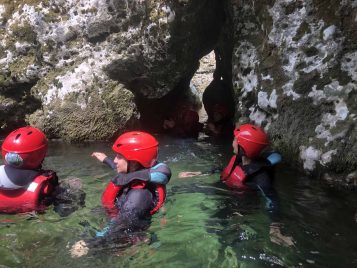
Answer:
x=309 y=156
x=329 y=32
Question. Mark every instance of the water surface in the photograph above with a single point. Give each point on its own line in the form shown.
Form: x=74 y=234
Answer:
x=203 y=224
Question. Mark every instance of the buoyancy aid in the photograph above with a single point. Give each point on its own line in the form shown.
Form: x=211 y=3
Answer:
x=28 y=198
x=234 y=176
x=112 y=192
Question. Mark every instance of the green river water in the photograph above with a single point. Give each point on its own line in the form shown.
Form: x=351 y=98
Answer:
x=203 y=223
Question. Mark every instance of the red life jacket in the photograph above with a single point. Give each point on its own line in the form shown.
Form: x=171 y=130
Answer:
x=112 y=191
x=234 y=177
x=29 y=198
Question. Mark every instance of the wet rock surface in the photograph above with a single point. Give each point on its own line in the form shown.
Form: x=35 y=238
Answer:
x=88 y=70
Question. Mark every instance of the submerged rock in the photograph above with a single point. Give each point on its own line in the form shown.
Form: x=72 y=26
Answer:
x=68 y=196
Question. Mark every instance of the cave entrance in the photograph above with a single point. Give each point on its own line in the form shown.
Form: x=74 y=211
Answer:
x=214 y=87
x=201 y=79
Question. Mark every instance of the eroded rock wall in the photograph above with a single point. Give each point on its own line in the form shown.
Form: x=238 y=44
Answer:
x=111 y=56
x=89 y=69
x=294 y=72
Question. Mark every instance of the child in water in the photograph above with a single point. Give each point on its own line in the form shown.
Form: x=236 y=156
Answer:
x=250 y=170
x=134 y=194
x=24 y=185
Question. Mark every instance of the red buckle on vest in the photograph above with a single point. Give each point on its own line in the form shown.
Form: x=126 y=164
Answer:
x=138 y=185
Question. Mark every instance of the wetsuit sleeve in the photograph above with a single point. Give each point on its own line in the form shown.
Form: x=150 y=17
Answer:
x=260 y=178
x=159 y=174
x=264 y=184
x=109 y=162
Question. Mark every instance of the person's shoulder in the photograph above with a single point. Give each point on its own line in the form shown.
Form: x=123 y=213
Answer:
x=272 y=157
x=160 y=165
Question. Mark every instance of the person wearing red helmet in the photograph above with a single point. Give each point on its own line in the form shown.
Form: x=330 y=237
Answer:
x=184 y=122
x=135 y=193
x=23 y=183
x=252 y=169
x=219 y=105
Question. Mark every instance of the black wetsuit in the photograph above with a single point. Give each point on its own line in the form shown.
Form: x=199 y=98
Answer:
x=135 y=204
x=260 y=177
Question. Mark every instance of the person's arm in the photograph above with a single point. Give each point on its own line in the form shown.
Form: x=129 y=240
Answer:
x=102 y=157
x=188 y=174
x=110 y=163
x=272 y=205
x=263 y=183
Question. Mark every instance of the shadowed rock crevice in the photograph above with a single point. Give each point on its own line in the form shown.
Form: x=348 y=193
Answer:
x=15 y=104
x=160 y=82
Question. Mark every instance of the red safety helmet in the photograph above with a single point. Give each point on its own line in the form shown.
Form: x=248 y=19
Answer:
x=25 y=148
x=251 y=138
x=137 y=146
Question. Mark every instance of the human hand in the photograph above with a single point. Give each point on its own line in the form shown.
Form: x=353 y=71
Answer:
x=99 y=156
x=188 y=174
x=79 y=249
x=278 y=238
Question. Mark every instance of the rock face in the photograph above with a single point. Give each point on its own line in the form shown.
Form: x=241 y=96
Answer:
x=294 y=72
x=117 y=57
x=88 y=69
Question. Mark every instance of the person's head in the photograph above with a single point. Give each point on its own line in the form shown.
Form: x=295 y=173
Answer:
x=135 y=150
x=25 y=148
x=249 y=140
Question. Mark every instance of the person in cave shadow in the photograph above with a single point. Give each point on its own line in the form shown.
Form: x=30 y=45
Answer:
x=183 y=122
x=251 y=170
x=219 y=105
x=132 y=196
x=25 y=186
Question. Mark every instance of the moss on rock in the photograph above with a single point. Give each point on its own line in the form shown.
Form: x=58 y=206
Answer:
x=294 y=127
x=24 y=33
x=102 y=118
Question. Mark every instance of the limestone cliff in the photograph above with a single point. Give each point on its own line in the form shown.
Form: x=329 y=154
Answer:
x=89 y=69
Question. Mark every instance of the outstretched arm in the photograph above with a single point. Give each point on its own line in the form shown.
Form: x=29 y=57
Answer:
x=160 y=173
x=102 y=157
x=188 y=174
